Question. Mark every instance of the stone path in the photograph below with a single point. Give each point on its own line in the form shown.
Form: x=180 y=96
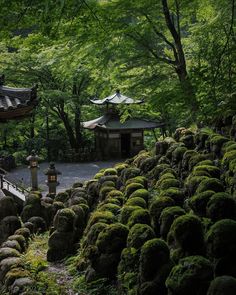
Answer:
x=71 y=173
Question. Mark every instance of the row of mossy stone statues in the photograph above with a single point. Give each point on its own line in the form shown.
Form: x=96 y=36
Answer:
x=165 y=222
x=144 y=220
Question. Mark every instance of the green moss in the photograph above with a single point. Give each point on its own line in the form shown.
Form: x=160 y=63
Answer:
x=175 y=194
x=132 y=187
x=212 y=170
x=222 y=285
x=103 y=193
x=61 y=197
x=137 y=201
x=115 y=209
x=120 y=167
x=64 y=220
x=195 y=159
x=91 y=237
x=112 y=201
x=221 y=238
x=138 y=179
x=14 y=274
x=228 y=157
x=221 y=206
x=198 y=202
x=205 y=162
x=126 y=212
x=128 y=173
x=112 y=239
x=186 y=157
x=139 y=234
x=191 y=276
x=168 y=183
x=218 y=140
x=154 y=254
x=140 y=193
x=108 y=183
x=20 y=239
x=23 y=231
x=155 y=172
x=187 y=232
x=104 y=217
x=178 y=153
x=139 y=216
x=8 y=252
x=110 y=171
x=98 y=175
x=213 y=184
x=157 y=206
x=167 y=217
x=193 y=182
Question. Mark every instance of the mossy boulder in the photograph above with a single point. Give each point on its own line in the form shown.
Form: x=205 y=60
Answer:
x=132 y=187
x=157 y=205
x=25 y=232
x=115 y=209
x=7 y=207
x=126 y=212
x=64 y=220
x=139 y=216
x=222 y=285
x=154 y=254
x=192 y=183
x=104 y=191
x=198 y=203
x=192 y=276
x=112 y=239
x=216 y=143
x=100 y=216
x=11 y=244
x=175 y=194
x=167 y=217
x=39 y=224
x=148 y=164
x=128 y=173
x=20 y=239
x=221 y=238
x=138 y=179
x=213 y=171
x=178 y=153
x=139 y=234
x=213 y=184
x=110 y=171
x=221 y=206
x=8 y=252
x=108 y=183
x=91 y=237
x=14 y=274
x=186 y=157
x=161 y=147
x=61 y=197
x=8 y=225
x=195 y=159
x=156 y=171
x=168 y=183
x=228 y=157
x=116 y=194
x=187 y=232
x=140 y=193
x=137 y=201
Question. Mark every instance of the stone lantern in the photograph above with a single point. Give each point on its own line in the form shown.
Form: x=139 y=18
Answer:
x=33 y=166
x=52 y=182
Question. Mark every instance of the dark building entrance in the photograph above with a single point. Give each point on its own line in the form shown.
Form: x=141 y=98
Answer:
x=125 y=145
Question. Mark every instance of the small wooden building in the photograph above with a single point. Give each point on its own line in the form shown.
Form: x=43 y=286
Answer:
x=116 y=139
x=16 y=103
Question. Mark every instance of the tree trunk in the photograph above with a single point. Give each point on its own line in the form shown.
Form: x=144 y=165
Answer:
x=69 y=131
x=78 y=133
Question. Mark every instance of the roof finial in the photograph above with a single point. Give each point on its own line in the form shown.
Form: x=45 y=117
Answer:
x=2 y=80
x=117 y=91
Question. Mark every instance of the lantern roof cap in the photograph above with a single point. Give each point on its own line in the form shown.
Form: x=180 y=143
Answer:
x=33 y=156
x=51 y=170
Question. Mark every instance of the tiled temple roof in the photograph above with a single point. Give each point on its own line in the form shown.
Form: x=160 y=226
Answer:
x=16 y=102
